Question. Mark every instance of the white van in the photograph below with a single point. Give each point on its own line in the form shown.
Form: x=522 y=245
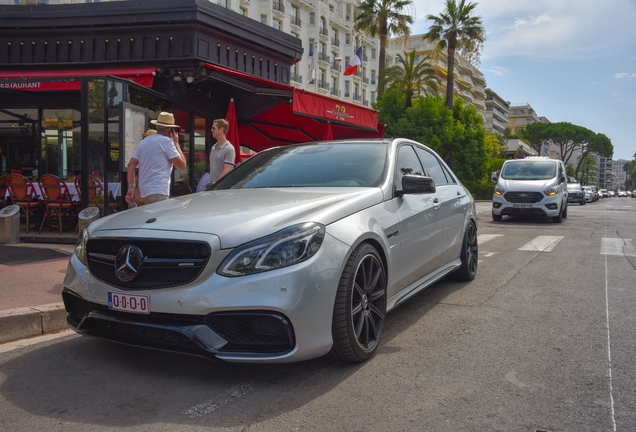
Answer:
x=534 y=186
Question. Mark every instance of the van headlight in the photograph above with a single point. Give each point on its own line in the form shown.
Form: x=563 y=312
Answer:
x=499 y=190
x=80 y=247
x=552 y=191
x=290 y=246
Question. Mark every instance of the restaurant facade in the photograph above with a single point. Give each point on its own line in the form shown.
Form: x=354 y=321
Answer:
x=79 y=84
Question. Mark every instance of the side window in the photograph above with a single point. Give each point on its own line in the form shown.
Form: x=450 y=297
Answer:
x=433 y=167
x=407 y=163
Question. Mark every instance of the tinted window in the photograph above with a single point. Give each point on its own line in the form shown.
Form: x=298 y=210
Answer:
x=407 y=163
x=432 y=166
x=314 y=165
x=574 y=187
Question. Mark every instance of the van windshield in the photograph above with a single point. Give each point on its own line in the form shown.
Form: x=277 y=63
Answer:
x=528 y=170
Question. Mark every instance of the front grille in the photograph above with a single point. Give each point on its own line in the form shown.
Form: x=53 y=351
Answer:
x=509 y=211
x=167 y=263
x=523 y=197
x=138 y=333
x=253 y=331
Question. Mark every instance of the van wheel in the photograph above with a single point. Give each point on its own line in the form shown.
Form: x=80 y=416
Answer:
x=565 y=211
x=559 y=218
x=496 y=218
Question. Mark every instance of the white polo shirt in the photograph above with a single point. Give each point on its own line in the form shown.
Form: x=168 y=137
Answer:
x=154 y=153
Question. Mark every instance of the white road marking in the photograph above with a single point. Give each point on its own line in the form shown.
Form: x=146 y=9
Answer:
x=484 y=238
x=213 y=404
x=618 y=246
x=542 y=244
x=489 y=254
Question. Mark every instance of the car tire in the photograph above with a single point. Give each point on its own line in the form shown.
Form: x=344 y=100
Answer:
x=582 y=202
x=559 y=217
x=565 y=212
x=496 y=218
x=469 y=256
x=359 y=311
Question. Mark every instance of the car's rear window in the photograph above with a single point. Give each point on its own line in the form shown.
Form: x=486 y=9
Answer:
x=315 y=165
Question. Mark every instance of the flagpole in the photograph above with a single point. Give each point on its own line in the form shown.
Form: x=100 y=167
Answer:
x=316 y=53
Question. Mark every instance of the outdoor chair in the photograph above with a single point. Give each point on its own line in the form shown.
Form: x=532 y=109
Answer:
x=96 y=193
x=23 y=194
x=57 y=199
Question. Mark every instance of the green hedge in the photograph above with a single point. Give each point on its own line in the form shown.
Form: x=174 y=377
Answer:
x=480 y=191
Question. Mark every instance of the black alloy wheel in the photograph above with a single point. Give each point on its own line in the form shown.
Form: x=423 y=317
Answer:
x=360 y=308
x=470 y=255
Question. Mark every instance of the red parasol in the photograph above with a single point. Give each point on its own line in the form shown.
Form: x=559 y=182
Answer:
x=328 y=132
x=233 y=131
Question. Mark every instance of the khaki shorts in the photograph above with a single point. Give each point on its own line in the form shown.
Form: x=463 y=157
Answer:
x=154 y=198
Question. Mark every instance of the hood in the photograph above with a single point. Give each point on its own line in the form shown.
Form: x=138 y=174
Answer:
x=526 y=185
x=240 y=215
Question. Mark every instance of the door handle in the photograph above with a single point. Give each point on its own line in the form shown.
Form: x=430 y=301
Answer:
x=437 y=203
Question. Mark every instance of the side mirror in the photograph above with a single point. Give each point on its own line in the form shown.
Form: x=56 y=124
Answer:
x=494 y=176
x=562 y=177
x=416 y=184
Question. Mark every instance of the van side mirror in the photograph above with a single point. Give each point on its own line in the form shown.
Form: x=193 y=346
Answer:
x=562 y=177
x=494 y=176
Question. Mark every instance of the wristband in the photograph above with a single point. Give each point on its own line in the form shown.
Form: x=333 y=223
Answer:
x=132 y=185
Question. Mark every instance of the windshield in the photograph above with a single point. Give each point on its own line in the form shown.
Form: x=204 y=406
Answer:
x=311 y=165
x=529 y=170
x=574 y=187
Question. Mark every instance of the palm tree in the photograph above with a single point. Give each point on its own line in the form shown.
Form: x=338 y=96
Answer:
x=411 y=77
x=456 y=28
x=384 y=18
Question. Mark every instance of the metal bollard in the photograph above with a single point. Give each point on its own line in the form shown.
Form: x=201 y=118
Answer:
x=10 y=225
x=86 y=216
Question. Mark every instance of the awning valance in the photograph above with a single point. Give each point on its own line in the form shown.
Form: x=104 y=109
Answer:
x=58 y=80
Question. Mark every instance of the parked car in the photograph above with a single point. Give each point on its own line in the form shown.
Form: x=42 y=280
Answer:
x=535 y=186
x=622 y=194
x=602 y=193
x=611 y=194
x=298 y=252
x=576 y=194
x=589 y=194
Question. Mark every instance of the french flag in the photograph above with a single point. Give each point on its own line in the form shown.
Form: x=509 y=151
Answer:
x=355 y=61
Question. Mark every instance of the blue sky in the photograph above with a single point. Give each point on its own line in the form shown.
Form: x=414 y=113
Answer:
x=571 y=60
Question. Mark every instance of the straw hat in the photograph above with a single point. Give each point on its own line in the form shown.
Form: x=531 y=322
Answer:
x=165 y=119
x=148 y=133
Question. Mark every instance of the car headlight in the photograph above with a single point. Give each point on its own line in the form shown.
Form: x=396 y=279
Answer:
x=290 y=246
x=80 y=247
x=552 y=191
x=499 y=190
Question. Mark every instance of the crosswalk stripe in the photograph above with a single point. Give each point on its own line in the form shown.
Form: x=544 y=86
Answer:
x=617 y=246
x=483 y=238
x=542 y=244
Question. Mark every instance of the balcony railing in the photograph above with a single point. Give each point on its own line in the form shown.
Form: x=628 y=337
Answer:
x=295 y=21
x=335 y=42
x=357 y=97
x=296 y=77
x=323 y=84
x=324 y=31
x=335 y=66
x=324 y=57
x=334 y=92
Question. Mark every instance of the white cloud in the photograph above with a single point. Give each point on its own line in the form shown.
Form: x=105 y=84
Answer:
x=499 y=71
x=624 y=76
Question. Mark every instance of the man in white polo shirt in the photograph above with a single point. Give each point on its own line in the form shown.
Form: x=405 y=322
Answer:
x=222 y=154
x=155 y=156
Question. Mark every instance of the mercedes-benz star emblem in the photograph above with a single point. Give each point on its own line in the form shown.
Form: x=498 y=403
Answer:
x=129 y=263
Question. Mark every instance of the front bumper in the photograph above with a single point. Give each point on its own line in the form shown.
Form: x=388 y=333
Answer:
x=278 y=316
x=546 y=207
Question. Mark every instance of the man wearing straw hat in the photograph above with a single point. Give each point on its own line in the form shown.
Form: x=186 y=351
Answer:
x=155 y=156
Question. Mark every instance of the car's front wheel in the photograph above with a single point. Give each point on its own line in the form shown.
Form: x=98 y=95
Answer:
x=496 y=217
x=360 y=308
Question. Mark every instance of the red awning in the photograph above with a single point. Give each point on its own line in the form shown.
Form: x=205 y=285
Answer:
x=56 y=80
x=332 y=109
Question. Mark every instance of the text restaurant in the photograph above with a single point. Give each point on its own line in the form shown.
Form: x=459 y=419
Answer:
x=79 y=84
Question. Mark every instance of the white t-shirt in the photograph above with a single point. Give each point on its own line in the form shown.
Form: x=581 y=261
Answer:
x=154 y=153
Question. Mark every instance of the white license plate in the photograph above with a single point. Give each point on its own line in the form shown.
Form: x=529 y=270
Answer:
x=523 y=205
x=135 y=303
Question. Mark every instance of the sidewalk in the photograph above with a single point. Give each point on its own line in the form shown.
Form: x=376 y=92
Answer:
x=31 y=276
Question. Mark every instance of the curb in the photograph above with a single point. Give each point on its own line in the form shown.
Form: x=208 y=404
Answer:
x=25 y=322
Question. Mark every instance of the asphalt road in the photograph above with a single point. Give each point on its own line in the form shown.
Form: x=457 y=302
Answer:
x=542 y=339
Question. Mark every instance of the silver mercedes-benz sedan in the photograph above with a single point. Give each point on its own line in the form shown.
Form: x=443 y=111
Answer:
x=297 y=253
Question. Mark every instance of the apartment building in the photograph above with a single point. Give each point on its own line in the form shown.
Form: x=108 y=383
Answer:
x=469 y=82
x=520 y=115
x=619 y=175
x=325 y=28
x=496 y=115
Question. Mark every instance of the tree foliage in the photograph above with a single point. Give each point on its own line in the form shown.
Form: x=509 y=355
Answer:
x=383 y=19
x=458 y=136
x=456 y=28
x=411 y=77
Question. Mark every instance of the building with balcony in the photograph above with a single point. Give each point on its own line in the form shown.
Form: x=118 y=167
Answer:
x=496 y=115
x=469 y=83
